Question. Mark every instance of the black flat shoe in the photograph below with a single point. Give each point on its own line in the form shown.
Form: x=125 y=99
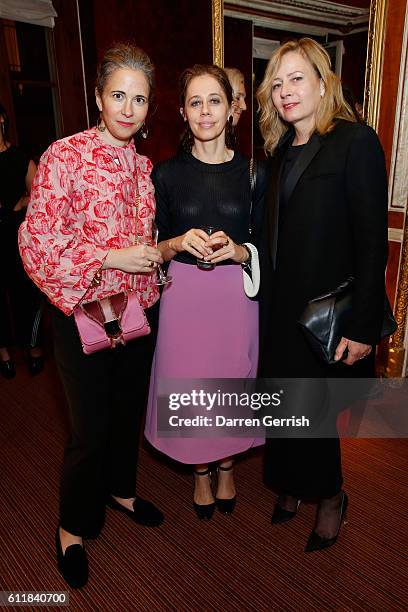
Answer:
x=36 y=364
x=280 y=515
x=316 y=542
x=7 y=369
x=144 y=512
x=204 y=511
x=226 y=506
x=73 y=565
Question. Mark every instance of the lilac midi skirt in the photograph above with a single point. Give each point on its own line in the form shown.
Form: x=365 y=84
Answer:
x=208 y=328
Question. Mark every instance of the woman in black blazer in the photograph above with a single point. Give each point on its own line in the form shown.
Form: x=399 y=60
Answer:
x=326 y=220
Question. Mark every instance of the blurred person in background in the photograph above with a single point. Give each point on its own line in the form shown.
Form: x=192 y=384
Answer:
x=20 y=302
x=237 y=81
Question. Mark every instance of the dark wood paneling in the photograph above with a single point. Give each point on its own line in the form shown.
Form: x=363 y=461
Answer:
x=6 y=97
x=354 y=63
x=396 y=219
x=69 y=68
x=357 y=3
x=238 y=54
x=174 y=34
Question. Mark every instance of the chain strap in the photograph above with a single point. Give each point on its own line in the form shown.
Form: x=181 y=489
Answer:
x=252 y=180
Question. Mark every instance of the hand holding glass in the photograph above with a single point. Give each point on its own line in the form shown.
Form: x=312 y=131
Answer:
x=152 y=240
x=163 y=278
x=208 y=265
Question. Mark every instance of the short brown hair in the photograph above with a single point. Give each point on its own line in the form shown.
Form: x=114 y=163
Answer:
x=332 y=105
x=125 y=55
x=187 y=138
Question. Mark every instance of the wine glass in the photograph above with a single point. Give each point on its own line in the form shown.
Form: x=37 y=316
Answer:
x=208 y=265
x=163 y=278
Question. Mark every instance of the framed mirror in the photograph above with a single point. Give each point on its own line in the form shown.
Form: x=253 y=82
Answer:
x=245 y=33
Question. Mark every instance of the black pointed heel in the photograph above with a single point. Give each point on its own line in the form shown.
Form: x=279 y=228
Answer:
x=73 y=565
x=316 y=542
x=226 y=506
x=204 y=511
x=280 y=515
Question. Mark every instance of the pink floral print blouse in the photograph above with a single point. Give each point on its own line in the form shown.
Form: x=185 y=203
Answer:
x=83 y=203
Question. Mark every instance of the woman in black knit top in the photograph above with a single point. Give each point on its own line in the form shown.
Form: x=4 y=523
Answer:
x=208 y=327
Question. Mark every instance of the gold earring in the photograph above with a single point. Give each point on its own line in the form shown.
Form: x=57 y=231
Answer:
x=101 y=127
x=144 y=131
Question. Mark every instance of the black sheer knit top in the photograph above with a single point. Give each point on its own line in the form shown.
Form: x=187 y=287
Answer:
x=191 y=193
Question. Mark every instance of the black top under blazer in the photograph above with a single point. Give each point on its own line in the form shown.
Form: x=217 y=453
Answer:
x=333 y=225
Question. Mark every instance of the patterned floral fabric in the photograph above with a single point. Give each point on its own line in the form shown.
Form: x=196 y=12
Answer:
x=83 y=203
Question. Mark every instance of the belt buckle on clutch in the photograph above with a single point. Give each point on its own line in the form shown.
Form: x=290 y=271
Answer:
x=113 y=329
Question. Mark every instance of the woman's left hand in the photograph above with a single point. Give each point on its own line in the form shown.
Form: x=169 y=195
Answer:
x=225 y=248
x=355 y=351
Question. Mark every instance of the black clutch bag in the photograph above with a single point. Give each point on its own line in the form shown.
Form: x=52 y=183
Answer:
x=324 y=318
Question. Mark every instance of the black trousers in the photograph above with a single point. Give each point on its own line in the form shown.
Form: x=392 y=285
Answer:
x=310 y=468
x=106 y=394
x=304 y=468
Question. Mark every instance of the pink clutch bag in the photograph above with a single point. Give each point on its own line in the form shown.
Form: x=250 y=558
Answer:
x=110 y=322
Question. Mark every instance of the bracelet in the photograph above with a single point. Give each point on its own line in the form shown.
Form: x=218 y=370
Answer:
x=247 y=263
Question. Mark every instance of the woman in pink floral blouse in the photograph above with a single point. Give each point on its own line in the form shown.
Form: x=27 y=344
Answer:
x=78 y=244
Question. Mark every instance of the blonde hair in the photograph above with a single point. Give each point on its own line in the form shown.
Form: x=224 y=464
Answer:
x=234 y=73
x=331 y=106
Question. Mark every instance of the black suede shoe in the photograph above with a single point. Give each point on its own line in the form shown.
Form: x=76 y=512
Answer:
x=7 y=369
x=73 y=565
x=36 y=364
x=144 y=512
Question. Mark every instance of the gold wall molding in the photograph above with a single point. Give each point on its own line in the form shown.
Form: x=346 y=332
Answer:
x=374 y=61
x=397 y=354
x=218 y=32
x=396 y=360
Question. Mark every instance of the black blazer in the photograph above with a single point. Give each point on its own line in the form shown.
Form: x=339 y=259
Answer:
x=334 y=224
